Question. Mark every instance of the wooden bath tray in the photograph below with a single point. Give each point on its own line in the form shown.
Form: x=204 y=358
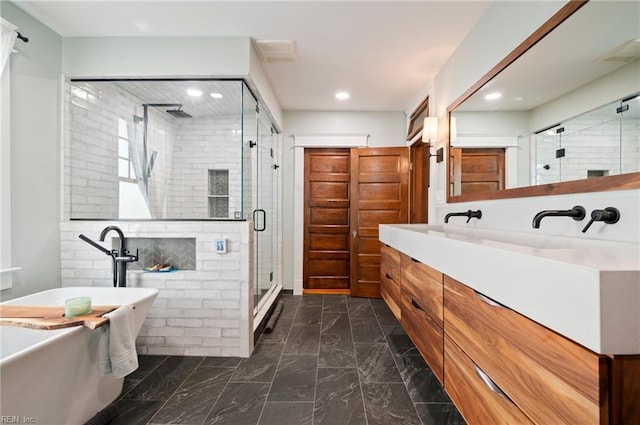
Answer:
x=49 y=318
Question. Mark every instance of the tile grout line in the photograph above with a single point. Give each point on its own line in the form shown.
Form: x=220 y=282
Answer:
x=355 y=355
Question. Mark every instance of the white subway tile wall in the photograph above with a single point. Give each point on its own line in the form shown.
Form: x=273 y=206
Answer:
x=203 y=312
x=186 y=149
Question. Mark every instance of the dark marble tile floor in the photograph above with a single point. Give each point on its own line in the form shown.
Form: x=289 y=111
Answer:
x=330 y=360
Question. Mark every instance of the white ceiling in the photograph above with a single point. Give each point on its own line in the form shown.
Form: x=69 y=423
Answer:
x=385 y=53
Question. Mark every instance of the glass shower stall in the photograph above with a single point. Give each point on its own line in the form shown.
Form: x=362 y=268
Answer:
x=175 y=149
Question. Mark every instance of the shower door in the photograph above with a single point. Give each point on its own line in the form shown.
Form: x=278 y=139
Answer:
x=265 y=213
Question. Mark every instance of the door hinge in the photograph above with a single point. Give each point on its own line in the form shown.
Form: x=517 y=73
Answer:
x=271 y=277
x=622 y=108
x=410 y=166
x=560 y=153
x=271 y=152
x=560 y=130
x=257 y=108
x=272 y=130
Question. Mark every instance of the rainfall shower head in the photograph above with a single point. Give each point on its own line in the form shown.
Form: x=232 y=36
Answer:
x=178 y=113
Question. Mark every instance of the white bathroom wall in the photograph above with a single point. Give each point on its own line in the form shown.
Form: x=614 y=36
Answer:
x=496 y=34
x=203 y=312
x=35 y=109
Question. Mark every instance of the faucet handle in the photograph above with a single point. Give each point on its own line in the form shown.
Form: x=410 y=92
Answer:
x=609 y=215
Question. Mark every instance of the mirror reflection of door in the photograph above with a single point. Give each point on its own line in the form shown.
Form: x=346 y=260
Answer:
x=475 y=170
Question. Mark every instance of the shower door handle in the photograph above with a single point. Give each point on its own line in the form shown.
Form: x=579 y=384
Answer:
x=256 y=214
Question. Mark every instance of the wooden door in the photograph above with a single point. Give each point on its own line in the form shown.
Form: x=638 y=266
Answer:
x=419 y=182
x=379 y=195
x=476 y=170
x=326 y=221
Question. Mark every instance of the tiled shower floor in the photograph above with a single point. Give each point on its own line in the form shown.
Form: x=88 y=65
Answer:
x=330 y=360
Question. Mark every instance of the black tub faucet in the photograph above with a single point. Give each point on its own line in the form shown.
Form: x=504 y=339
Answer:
x=577 y=213
x=469 y=214
x=119 y=256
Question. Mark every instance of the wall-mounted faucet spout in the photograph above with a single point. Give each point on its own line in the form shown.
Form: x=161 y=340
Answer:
x=469 y=214
x=577 y=213
x=120 y=257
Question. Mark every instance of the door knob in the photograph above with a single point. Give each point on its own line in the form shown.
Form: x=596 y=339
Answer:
x=354 y=234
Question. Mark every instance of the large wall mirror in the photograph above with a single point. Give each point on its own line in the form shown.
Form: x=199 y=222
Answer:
x=560 y=114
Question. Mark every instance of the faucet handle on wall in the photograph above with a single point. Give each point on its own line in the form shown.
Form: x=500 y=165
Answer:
x=609 y=215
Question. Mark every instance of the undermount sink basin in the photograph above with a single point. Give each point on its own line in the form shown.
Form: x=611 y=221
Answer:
x=585 y=289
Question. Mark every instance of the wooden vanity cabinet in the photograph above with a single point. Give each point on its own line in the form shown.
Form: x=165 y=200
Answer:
x=390 y=266
x=500 y=367
x=422 y=312
x=550 y=378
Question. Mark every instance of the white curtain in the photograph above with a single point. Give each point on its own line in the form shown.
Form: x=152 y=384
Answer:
x=7 y=39
x=8 y=36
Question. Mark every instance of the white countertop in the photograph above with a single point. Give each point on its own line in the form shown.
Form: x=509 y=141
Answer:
x=585 y=289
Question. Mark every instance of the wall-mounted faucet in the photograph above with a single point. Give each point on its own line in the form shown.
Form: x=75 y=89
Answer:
x=609 y=215
x=469 y=214
x=577 y=213
x=120 y=257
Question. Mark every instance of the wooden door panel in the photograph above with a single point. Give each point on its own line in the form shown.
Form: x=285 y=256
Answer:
x=379 y=194
x=419 y=182
x=380 y=191
x=329 y=216
x=325 y=163
x=327 y=219
x=477 y=170
x=329 y=191
x=372 y=218
x=379 y=164
x=329 y=242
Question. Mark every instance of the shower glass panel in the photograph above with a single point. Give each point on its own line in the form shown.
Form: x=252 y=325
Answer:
x=547 y=168
x=155 y=149
x=598 y=143
x=266 y=201
x=592 y=145
x=630 y=130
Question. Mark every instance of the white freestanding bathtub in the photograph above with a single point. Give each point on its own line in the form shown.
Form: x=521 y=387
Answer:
x=52 y=377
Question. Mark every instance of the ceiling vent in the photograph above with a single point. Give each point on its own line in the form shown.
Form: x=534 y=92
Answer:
x=277 y=50
x=626 y=52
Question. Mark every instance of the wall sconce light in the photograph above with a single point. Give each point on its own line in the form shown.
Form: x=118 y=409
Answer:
x=430 y=134
x=430 y=129
x=439 y=155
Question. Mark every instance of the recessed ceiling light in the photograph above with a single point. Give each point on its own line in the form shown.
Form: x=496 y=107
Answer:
x=216 y=95
x=194 y=92
x=342 y=95
x=493 y=96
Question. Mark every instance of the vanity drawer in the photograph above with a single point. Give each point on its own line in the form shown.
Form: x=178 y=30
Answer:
x=390 y=292
x=424 y=332
x=390 y=263
x=552 y=379
x=425 y=284
x=478 y=401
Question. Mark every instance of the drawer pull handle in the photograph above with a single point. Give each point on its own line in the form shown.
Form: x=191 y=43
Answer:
x=414 y=260
x=416 y=305
x=487 y=300
x=387 y=276
x=489 y=383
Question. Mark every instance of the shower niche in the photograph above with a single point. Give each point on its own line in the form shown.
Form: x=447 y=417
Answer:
x=166 y=149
